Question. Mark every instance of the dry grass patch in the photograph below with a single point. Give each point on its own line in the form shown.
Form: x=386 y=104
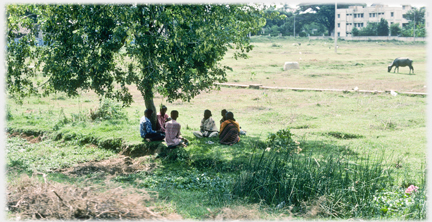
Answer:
x=235 y=213
x=121 y=165
x=30 y=198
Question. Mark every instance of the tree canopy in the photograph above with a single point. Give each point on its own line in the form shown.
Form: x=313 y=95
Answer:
x=323 y=14
x=170 y=49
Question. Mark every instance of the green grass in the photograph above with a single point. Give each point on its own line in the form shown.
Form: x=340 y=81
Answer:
x=48 y=155
x=328 y=126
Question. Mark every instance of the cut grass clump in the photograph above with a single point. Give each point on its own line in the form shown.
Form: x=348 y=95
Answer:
x=340 y=135
x=30 y=198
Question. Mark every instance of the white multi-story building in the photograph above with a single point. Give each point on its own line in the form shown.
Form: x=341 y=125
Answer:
x=359 y=16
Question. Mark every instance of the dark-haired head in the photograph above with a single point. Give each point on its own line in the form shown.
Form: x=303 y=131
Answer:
x=229 y=116
x=163 y=109
x=223 y=112
x=207 y=114
x=148 y=112
x=174 y=114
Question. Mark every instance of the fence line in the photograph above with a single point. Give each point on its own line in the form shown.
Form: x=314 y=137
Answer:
x=259 y=86
x=373 y=38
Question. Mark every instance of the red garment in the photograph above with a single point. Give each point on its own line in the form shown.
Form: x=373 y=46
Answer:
x=161 y=122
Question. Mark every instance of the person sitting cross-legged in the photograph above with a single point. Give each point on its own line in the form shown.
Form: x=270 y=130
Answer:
x=162 y=118
x=208 y=127
x=146 y=130
x=229 y=130
x=172 y=132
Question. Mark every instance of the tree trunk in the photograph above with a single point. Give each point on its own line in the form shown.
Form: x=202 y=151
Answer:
x=149 y=104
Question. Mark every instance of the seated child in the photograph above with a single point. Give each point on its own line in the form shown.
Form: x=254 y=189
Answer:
x=229 y=130
x=172 y=131
x=162 y=118
x=223 y=113
x=146 y=130
x=208 y=127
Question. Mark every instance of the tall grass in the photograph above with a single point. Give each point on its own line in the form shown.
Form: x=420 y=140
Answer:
x=343 y=185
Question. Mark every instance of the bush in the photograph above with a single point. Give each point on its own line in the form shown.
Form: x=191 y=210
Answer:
x=108 y=111
x=282 y=140
x=395 y=29
x=302 y=34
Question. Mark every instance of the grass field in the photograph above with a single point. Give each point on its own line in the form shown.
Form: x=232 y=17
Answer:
x=379 y=135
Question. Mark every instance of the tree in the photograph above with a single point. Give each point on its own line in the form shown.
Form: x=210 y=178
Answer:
x=369 y=30
x=416 y=26
x=322 y=14
x=274 y=30
x=170 y=49
x=395 y=30
x=355 y=31
x=416 y=15
x=383 y=28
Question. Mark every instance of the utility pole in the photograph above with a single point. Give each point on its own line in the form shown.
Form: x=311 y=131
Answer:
x=294 y=25
x=335 y=35
x=414 y=22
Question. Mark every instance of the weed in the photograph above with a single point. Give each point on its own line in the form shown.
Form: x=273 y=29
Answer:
x=108 y=110
x=9 y=115
x=393 y=202
x=340 y=135
x=62 y=120
x=282 y=141
x=388 y=124
x=252 y=75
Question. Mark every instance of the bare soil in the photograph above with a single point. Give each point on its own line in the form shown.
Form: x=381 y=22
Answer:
x=29 y=138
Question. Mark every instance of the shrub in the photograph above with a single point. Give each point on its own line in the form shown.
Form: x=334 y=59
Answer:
x=302 y=34
x=108 y=111
x=282 y=140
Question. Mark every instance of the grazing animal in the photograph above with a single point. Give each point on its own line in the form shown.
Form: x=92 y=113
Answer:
x=401 y=61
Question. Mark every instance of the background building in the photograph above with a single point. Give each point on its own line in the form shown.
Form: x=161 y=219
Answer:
x=359 y=16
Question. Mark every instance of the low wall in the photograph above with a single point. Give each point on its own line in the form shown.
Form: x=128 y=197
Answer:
x=372 y=38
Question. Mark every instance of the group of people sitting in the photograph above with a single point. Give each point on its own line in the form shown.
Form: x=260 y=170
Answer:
x=168 y=129
x=229 y=129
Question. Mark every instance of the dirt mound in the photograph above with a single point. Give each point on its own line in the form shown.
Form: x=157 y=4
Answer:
x=29 y=138
x=121 y=165
x=30 y=198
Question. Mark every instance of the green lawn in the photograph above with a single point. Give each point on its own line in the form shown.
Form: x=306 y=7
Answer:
x=351 y=126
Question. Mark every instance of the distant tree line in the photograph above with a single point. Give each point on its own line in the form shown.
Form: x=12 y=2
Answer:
x=318 y=20
x=296 y=22
x=416 y=24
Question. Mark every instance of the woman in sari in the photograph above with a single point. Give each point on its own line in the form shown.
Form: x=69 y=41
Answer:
x=229 y=130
